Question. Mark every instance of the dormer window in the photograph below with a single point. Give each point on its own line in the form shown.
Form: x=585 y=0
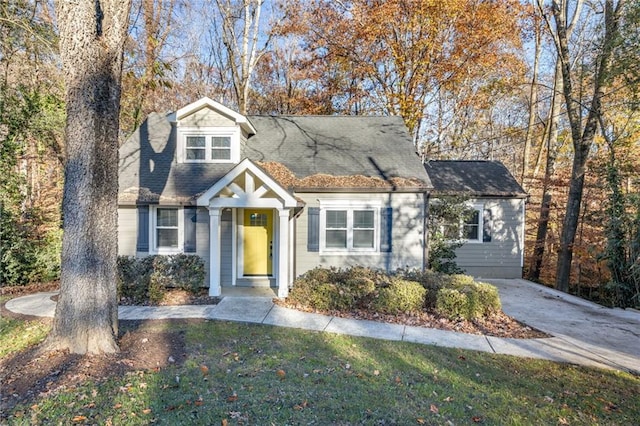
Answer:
x=210 y=145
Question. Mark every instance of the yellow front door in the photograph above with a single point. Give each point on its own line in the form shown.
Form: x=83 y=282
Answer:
x=258 y=242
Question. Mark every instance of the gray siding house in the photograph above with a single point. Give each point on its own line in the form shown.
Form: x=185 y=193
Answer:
x=494 y=235
x=263 y=199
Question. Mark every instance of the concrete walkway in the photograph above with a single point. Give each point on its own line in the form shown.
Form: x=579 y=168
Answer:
x=583 y=332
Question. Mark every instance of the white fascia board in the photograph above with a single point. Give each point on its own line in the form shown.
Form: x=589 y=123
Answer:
x=240 y=119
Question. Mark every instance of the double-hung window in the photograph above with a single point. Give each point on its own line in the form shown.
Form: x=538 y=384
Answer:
x=349 y=229
x=471 y=226
x=221 y=148
x=196 y=148
x=166 y=229
x=468 y=228
x=210 y=146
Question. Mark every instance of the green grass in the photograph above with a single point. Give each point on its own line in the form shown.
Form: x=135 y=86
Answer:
x=263 y=375
x=16 y=335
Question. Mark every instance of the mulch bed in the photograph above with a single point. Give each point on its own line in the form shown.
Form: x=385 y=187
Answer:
x=497 y=325
x=32 y=373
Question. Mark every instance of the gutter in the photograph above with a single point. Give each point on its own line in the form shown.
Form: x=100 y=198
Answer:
x=344 y=190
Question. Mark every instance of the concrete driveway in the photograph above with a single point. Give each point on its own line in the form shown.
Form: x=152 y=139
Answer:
x=588 y=330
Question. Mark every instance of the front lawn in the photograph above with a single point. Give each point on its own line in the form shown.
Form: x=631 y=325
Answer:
x=213 y=372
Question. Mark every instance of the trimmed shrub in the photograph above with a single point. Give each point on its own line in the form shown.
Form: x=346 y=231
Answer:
x=453 y=296
x=451 y=303
x=359 y=288
x=334 y=289
x=133 y=278
x=400 y=296
x=187 y=272
x=465 y=298
x=146 y=279
x=322 y=296
x=489 y=298
x=432 y=281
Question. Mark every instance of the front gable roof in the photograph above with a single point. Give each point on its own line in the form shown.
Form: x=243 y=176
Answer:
x=206 y=102
x=251 y=190
x=473 y=178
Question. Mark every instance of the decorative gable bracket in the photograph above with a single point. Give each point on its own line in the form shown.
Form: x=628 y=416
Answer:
x=246 y=185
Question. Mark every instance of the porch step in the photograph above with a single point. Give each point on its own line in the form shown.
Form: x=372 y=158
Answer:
x=249 y=292
x=256 y=282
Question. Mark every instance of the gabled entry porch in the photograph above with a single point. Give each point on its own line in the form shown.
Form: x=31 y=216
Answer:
x=250 y=230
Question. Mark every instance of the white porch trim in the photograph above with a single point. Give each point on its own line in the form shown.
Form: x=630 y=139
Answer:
x=249 y=196
x=214 y=252
x=247 y=186
x=282 y=281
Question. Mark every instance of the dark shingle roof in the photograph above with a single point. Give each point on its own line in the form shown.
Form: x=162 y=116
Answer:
x=475 y=178
x=337 y=145
x=377 y=147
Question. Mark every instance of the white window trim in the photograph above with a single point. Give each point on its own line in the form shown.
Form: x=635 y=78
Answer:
x=350 y=207
x=480 y=240
x=209 y=132
x=153 y=243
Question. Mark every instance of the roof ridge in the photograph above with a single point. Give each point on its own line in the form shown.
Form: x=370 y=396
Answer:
x=464 y=161
x=321 y=116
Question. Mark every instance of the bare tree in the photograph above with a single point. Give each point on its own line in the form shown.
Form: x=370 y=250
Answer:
x=148 y=68
x=533 y=96
x=92 y=35
x=237 y=25
x=582 y=120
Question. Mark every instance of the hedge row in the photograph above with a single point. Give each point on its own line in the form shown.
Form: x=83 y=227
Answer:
x=453 y=296
x=146 y=279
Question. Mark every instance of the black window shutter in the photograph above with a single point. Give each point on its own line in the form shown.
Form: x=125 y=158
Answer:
x=313 y=229
x=487 y=225
x=190 y=221
x=386 y=226
x=143 y=229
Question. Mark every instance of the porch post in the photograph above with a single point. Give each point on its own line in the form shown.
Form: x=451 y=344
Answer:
x=283 y=253
x=214 y=252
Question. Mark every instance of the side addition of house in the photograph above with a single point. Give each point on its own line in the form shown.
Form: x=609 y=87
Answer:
x=494 y=234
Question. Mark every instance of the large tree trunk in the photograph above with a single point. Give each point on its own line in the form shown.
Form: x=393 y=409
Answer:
x=92 y=35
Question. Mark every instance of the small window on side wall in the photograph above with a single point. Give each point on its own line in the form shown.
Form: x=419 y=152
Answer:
x=468 y=229
x=471 y=226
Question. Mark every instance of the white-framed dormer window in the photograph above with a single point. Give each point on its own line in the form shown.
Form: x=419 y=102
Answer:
x=210 y=145
x=166 y=230
x=349 y=228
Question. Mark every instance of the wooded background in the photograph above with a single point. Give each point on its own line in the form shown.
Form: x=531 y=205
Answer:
x=548 y=88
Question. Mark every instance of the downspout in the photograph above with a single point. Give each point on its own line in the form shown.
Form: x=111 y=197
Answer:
x=522 y=233
x=425 y=231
